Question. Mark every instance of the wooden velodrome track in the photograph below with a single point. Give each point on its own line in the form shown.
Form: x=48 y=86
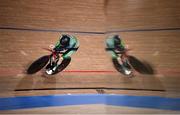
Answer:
x=150 y=28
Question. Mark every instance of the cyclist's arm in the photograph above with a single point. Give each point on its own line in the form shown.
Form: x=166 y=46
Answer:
x=110 y=48
x=73 y=47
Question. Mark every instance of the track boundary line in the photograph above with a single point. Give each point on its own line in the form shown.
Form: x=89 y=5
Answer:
x=142 y=30
x=50 y=30
x=89 y=32
x=88 y=88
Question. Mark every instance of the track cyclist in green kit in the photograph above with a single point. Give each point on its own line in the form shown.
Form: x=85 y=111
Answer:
x=66 y=46
x=116 y=47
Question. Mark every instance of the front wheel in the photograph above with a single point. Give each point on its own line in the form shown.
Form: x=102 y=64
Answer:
x=124 y=68
x=38 y=64
x=56 y=68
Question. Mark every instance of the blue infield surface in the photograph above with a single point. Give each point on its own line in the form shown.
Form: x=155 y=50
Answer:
x=30 y=102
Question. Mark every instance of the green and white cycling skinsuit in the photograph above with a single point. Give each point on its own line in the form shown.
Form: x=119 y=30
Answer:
x=110 y=44
x=69 y=50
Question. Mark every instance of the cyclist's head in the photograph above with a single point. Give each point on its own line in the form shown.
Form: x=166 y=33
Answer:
x=117 y=40
x=64 y=40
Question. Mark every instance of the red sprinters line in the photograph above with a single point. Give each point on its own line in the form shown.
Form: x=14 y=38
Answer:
x=88 y=71
x=16 y=71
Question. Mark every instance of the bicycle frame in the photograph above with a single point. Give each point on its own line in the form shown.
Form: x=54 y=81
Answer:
x=53 y=53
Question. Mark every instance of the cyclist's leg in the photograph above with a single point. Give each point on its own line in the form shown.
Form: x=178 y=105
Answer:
x=57 y=59
x=55 y=63
x=125 y=61
x=120 y=59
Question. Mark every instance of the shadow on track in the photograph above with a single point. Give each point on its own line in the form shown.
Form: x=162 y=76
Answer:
x=38 y=64
x=142 y=67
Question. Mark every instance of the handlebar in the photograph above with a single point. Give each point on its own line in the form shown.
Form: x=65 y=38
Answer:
x=116 y=51
x=60 y=52
x=52 y=51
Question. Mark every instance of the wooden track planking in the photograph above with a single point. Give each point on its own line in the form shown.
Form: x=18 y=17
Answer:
x=89 y=16
x=64 y=15
x=142 y=14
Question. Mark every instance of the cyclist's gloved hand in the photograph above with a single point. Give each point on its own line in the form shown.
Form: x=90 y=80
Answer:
x=51 y=46
x=61 y=58
x=119 y=48
x=60 y=50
